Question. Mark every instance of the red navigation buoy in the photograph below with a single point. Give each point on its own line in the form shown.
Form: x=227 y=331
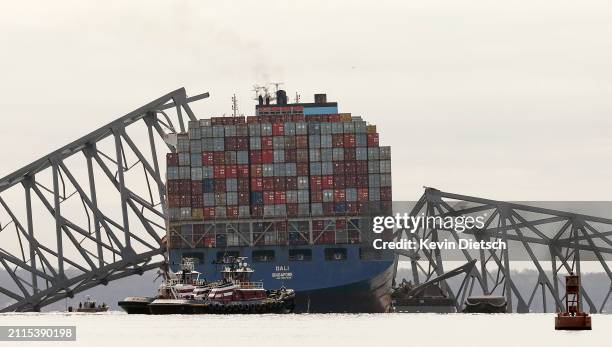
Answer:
x=573 y=318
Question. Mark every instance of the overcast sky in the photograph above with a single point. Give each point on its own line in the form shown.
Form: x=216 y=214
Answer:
x=505 y=100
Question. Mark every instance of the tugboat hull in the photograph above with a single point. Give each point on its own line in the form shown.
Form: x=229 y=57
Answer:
x=136 y=305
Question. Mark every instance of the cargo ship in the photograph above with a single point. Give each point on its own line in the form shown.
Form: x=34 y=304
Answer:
x=293 y=188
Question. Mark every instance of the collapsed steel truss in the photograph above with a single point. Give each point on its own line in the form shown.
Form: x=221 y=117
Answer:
x=567 y=237
x=109 y=241
x=97 y=245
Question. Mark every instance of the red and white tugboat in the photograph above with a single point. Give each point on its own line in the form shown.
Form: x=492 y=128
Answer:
x=178 y=287
x=235 y=293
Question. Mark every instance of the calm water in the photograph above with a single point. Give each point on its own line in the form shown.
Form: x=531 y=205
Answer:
x=118 y=329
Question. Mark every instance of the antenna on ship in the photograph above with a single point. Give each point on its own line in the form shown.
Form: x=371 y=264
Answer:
x=297 y=98
x=276 y=84
x=234 y=106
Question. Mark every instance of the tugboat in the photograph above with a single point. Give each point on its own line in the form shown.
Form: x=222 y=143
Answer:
x=185 y=283
x=235 y=293
x=89 y=306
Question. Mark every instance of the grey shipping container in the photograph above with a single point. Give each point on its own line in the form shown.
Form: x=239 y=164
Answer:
x=242 y=157
x=184 y=159
x=361 y=153
x=316 y=209
x=254 y=129
x=184 y=172
x=315 y=168
x=196 y=160
x=301 y=128
x=172 y=173
x=231 y=185
x=196 y=173
x=373 y=153
x=302 y=182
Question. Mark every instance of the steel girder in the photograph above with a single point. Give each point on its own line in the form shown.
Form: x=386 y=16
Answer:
x=94 y=242
x=566 y=236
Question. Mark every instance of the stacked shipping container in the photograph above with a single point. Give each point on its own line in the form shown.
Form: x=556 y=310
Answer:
x=277 y=165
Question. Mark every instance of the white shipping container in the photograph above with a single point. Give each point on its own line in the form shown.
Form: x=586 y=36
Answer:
x=266 y=129
x=254 y=142
x=279 y=155
x=268 y=211
x=291 y=196
x=185 y=213
x=184 y=159
x=205 y=122
x=220 y=199
x=301 y=128
x=349 y=127
x=184 y=172
x=326 y=129
x=303 y=196
x=207 y=131
x=196 y=160
x=196 y=173
x=302 y=182
x=172 y=173
x=267 y=170
x=278 y=142
x=232 y=198
x=255 y=129
x=328 y=195
x=326 y=141
x=230 y=130
x=289 y=128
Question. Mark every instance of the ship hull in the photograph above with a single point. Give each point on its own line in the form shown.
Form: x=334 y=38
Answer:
x=352 y=285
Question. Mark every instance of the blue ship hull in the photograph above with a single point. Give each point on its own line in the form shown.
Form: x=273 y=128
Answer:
x=321 y=284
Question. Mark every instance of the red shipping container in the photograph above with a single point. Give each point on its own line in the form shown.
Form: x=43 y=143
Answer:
x=268 y=183
x=350 y=181
x=256 y=170
x=230 y=143
x=338 y=168
x=334 y=117
x=280 y=197
x=219 y=171
x=173 y=186
x=219 y=158
x=349 y=168
x=372 y=140
x=290 y=156
x=196 y=187
x=292 y=210
x=278 y=129
x=327 y=182
x=185 y=201
x=301 y=155
x=317 y=225
x=350 y=154
x=256 y=184
x=172 y=159
x=280 y=183
x=340 y=224
x=338 y=140
x=243 y=198
x=361 y=167
x=349 y=140
x=257 y=211
x=185 y=187
x=351 y=208
x=232 y=212
x=339 y=182
x=301 y=141
x=231 y=171
x=385 y=194
x=174 y=200
x=315 y=183
x=209 y=212
x=316 y=196
x=362 y=194
x=291 y=183
x=197 y=201
x=243 y=171
x=302 y=169
x=266 y=142
x=208 y=158
x=339 y=195
x=243 y=184
x=209 y=240
x=220 y=186
x=362 y=181
x=255 y=157
x=242 y=143
x=268 y=198
x=328 y=208
x=267 y=156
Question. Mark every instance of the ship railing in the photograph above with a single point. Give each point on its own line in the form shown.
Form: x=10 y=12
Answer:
x=251 y=285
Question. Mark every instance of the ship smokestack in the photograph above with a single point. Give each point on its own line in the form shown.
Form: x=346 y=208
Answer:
x=260 y=100
x=281 y=97
x=320 y=98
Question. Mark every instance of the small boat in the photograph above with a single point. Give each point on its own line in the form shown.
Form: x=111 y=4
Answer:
x=485 y=304
x=235 y=293
x=89 y=306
